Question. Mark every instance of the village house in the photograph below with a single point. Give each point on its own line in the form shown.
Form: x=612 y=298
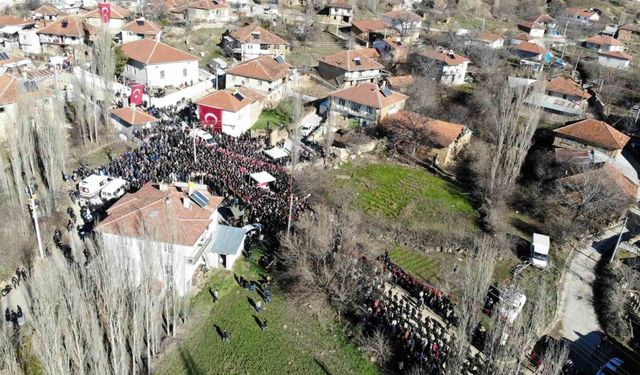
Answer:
x=12 y=90
x=64 y=34
x=615 y=59
x=46 y=12
x=400 y=83
x=539 y=26
x=265 y=74
x=604 y=173
x=486 y=39
x=444 y=66
x=253 y=41
x=562 y=96
x=628 y=31
x=349 y=68
x=407 y=24
x=10 y=27
x=159 y=65
x=524 y=37
x=209 y=11
x=437 y=141
x=591 y=135
x=178 y=223
x=581 y=15
x=139 y=29
x=337 y=12
x=119 y=16
x=128 y=118
x=603 y=43
x=568 y=89
x=529 y=51
x=367 y=103
x=15 y=21
x=239 y=109
x=391 y=49
x=366 y=32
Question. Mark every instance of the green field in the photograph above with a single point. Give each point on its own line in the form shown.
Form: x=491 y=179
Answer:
x=426 y=267
x=272 y=117
x=410 y=195
x=294 y=342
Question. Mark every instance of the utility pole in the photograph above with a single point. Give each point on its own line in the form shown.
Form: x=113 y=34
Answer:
x=615 y=249
x=193 y=134
x=34 y=213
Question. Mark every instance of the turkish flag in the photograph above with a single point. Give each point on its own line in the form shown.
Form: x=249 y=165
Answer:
x=136 y=94
x=210 y=117
x=105 y=12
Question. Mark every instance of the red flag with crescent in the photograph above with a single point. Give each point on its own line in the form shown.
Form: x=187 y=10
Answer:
x=105 y=12
x=210 y=117
x=136 y=94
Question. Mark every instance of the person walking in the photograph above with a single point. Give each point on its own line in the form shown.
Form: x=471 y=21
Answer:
x=226 y=336
x=259 y=306
x=263 y=325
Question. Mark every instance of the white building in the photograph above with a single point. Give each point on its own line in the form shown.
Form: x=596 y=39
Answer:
x=29 y=40
x=159 y=65
x=177 y=223
x=338 y=12
x=240 y=109
x=252 y=41
x=487 y=39
x=603 y=43
x=47 y=12
x=368 y=103
x=349 y=68
x=265 y=74
x=139 y=29
x=581 y=15
x=118 y=18
x=615 y=59
x=407 y=24
x=64 y=34
x=209 y=11
x=444 y=66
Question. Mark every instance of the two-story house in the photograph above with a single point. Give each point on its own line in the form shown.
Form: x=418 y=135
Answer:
x=591 y=135
x=349 y=68
x=444 y=66
x=367 y=103
x=139 y=29
x=265 y=74
x=238 y=108
x=157 y=64
x=209 y=11
x=486 y=39
x=603 y=43
x=337 y=12
x=178 y=224
x=46 y=12
x=391 y=49
x=407 y=24
x=529 y=51
x=366 y=32
x=64 y=34
x=118 y=18
x=567 y=89
x=252 y=41
x=539 y=26
x=581 y=15
x=615 y=59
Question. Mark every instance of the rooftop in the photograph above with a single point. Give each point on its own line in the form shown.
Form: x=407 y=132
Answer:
x=616 y=55
x=530 y=47
x=602 y=40
x=442 y=133
x=369 y=94
x=48 y=10
x=206 y=5
x=142 y=26
x=265 y=68
x=117 y=12
x=580 y=12
x=68 y=26
x=351 y=61
x=149 y=51
x=257 y=35
x=133 y=116
x=567 y=86
x=401 y=81
x=369 y=25
x=446 y=56
x=229 y=100
x=597 y=133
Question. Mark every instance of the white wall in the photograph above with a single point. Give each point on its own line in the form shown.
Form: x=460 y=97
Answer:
x=162 y=75
x=128 y=36
x=115 y=25
x=29 y=41
x=613 y=63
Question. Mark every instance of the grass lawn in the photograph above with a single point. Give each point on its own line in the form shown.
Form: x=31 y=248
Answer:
x=309 y=53
x=271 y=117
x=203 y=43
x=294 y=343
x=428 y=267
x=410 y=195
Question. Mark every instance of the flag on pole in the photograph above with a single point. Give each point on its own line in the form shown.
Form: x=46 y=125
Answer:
x=211 y=117
x=136 y=94
x=105 y=12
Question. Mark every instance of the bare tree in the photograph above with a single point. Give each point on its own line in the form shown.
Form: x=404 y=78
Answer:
x=9 y=355
x=554 y=358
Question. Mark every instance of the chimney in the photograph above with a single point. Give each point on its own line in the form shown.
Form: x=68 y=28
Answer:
x=65 y=23
x=191 y=188
x=167 y=200
x=163 y=187
x=186 y=203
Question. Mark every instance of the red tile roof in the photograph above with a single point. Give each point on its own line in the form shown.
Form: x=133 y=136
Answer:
x=369 y=25
x=531 y=25
x=133 y=116
x=14 y=21
x=530 y=47
x=447 y=57
x=369 y=94
x=597 y=133
x=160 y=215
x=524 y=37
x=443 y=133
x=634 y=27
x=74 y=27
x=149 y=51
x=602 y=40
x=117 y=12
x=567 y=86
x=579 y=12
x=264 y=68
x=262 y=36
x=48 y=10
x=142 y=26
x=401 y=81
x=607 y=175
x=617 y=55
x=226 y=100
x=206 y=5
x=8 y=89
x=346 y=60
x=486 y=36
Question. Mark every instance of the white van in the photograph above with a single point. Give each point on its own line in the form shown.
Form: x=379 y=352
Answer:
x=540 y=250
x=114 y=189
x=203 y=136
x=92 y=185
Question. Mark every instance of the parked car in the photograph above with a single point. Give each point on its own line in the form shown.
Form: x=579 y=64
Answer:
x=203 y=136
x=92 y=185
x=540 y=250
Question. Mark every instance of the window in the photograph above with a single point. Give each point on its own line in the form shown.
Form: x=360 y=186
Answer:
x=184 y=72
x=341 y=102
x=162 y=74
x=371 y=110
x=264 y=46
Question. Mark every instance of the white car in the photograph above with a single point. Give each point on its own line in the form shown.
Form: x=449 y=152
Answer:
x=610 y=367
x=203 y=136
x=91 y=186
x=540 y=250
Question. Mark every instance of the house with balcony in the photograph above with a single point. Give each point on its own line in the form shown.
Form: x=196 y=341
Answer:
x=444 y=66
x=157 y=64
x=47 y=12
x=209 y=11
x=252 y=41
x=337 y=12
x=407 y=24
x=540 y=26
x=265 y=74
x=177 y=224
x=349 y=68
x=119 y=16
x=603 y=43
x=581 y=15
x=366 y=32
x=367 y=103
x=66 y=33
x=139 y=29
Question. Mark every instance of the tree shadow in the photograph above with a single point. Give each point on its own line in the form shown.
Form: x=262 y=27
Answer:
x=188 y=362
x=322 y=366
